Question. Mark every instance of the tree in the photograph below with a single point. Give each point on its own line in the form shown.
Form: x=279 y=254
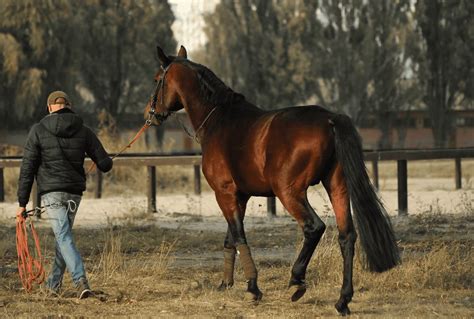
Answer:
x=391 y=29
x=99 y=51
x=366 y=54
x=32 y=55
x=117 y=53
x=256 y=48
x=447 y=27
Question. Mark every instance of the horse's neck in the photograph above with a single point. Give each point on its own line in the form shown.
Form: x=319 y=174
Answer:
x=197 y=112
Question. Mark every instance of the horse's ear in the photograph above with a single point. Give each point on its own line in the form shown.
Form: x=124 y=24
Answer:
x=182 y=52
x=162 y=56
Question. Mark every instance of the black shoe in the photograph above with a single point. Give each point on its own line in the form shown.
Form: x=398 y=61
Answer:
x=83 y=289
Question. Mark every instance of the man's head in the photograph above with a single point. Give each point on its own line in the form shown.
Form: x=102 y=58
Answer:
x=58 y=100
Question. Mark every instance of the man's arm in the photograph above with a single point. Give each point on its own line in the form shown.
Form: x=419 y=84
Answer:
x=29 y=167
x=97 y=153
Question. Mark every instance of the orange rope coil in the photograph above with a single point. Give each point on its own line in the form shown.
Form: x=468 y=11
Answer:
x=30 y=267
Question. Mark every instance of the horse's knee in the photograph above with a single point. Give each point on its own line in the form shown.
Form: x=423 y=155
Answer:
x=347 y=237
x=236 y=233
x=229 y=241
x=313 y=230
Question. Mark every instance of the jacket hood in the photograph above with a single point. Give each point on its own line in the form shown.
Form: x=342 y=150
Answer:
x=64 y=124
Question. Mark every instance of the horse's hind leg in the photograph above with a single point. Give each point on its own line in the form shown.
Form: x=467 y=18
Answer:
x=233 y=206
x=313 y=228
x=338 y=193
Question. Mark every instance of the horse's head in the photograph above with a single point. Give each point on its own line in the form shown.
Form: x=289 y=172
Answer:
x=165 y=99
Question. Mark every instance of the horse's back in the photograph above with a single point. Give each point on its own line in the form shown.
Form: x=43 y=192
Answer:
x=279 y=147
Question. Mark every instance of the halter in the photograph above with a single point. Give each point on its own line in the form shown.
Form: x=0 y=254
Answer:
x=161 y=117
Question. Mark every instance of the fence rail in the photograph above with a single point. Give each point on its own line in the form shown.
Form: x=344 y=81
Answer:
x=151 y=161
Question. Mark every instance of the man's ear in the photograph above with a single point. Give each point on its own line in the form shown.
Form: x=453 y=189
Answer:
x=182 y=52
x=162 y=57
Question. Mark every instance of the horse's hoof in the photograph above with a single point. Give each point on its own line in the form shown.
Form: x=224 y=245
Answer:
x=253 y=296
x=297 y=291
x=342 y=308
x=224 y=286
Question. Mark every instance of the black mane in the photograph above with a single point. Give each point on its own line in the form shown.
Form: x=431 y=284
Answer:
x=212 y=89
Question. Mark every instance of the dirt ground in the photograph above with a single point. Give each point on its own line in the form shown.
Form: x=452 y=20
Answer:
x=169 y=266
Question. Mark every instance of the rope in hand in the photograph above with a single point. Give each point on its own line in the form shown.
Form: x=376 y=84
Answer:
x=140 y=132
x=30 y=267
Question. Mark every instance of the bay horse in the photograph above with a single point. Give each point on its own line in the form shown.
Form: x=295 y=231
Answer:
x=247 y=151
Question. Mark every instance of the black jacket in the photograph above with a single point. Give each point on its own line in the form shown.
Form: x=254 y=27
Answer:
x=54 y=154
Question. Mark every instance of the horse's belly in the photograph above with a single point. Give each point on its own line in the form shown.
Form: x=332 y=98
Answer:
x=255 y=189
x=250 y=180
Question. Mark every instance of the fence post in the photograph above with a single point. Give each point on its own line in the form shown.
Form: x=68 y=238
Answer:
x=197 y=179
x=458 y=172
x=2 y=186
x=375 y=173
x=271 y=207
x=98 y=184
x=402 y=187
x=151 y=194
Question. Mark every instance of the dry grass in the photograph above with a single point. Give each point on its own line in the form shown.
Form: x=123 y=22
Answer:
x=151 y=271
x=441 y=266
x=112 y=259
x=116 y=267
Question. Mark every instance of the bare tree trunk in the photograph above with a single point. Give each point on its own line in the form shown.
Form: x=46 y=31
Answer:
x=439 y=104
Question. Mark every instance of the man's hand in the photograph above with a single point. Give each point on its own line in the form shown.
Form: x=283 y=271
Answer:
x=21 y=212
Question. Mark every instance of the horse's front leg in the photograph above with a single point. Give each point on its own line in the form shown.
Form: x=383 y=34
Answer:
x=233 y=207
x=229 y=261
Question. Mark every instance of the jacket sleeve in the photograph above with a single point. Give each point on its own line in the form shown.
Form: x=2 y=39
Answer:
x=29 y=166
x=97 y=153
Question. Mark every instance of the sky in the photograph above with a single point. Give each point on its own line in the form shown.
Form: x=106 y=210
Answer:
x=189 y=24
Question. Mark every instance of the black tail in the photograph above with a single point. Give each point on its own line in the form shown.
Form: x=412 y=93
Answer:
x=375 y=230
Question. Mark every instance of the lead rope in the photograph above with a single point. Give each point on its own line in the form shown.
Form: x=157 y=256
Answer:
x=140 y=132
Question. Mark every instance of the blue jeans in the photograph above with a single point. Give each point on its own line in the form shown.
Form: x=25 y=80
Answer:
x=61 y=214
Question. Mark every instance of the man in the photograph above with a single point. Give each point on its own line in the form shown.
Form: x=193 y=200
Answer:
x=54 y=154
